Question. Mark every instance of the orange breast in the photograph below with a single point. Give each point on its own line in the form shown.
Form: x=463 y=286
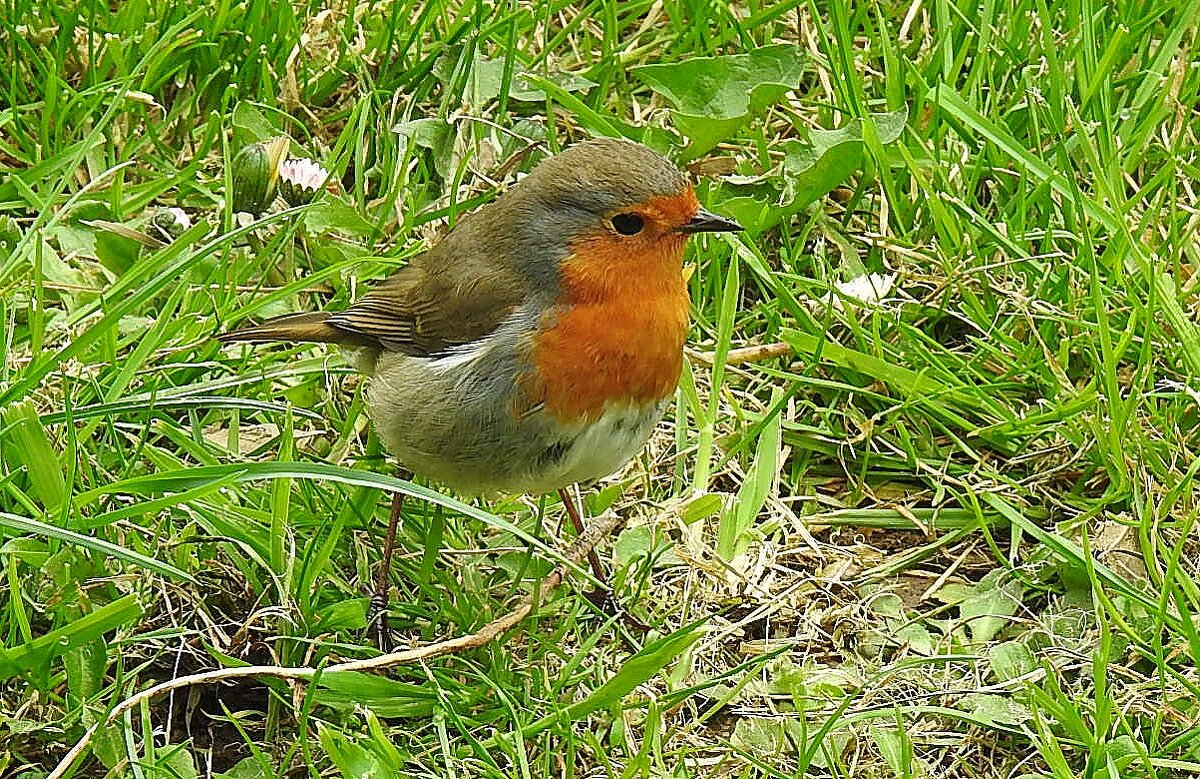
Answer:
x=618 y=335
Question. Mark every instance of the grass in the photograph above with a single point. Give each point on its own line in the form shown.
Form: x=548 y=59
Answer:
x=951 y=532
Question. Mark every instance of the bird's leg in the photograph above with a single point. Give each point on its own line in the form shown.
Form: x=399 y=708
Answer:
x=573 y=512
x=602 y=597
x=379 y=598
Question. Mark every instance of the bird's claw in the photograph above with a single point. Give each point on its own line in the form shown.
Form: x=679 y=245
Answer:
x=377 y=622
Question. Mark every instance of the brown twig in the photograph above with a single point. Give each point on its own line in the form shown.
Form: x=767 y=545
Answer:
x=745 y=354
x=578 y=551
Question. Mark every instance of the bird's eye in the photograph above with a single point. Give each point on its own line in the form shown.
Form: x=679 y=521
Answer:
x=628 y=224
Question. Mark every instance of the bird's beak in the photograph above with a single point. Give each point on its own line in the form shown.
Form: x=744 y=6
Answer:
x=708 y=222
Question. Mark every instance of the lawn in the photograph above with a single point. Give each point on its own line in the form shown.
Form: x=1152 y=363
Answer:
x=925 y=504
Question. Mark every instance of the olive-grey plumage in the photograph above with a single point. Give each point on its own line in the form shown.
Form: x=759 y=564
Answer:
x=449 y=340
x=455 y=294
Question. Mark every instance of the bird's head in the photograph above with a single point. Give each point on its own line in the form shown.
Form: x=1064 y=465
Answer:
x=608 y=208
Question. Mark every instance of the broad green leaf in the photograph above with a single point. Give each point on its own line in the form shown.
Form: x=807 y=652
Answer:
x=632 y=543
x=991 y=604
x=487 y=78
x=704 y=133
x=917 y=638
x=702 y=506
x=599 y=500
x=427 y=132
x=762 y=737
x=434 y=134
x=1122 y=751
x=808 y=172
x=352 y=759
x=85 y=666
x=32 y=551
x=250 y=125
x=897 y=627
x=896 y=748
x=246 y=768
x=177 y=764
x=23 y=442
x=996 y=711
x=715 y=96
x=811 y=170
x=343 y=615
x=1011 y=659
x=329 y=214
x=57 y=270
x=386 y=697
x=36 y=653
x=635 y=671
x=116 y=252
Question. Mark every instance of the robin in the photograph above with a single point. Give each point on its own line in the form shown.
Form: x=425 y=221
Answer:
x=538 y=343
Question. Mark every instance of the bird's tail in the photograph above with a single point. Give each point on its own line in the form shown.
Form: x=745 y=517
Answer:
x=297 y=328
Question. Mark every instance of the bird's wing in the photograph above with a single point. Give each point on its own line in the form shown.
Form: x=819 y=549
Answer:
x=452 y=295
x=424 y=311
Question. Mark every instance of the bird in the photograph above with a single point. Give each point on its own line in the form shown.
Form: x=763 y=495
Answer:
x=538 y=344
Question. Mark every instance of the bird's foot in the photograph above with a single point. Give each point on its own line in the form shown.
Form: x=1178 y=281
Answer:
x=605 y=601
x=377 y=623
